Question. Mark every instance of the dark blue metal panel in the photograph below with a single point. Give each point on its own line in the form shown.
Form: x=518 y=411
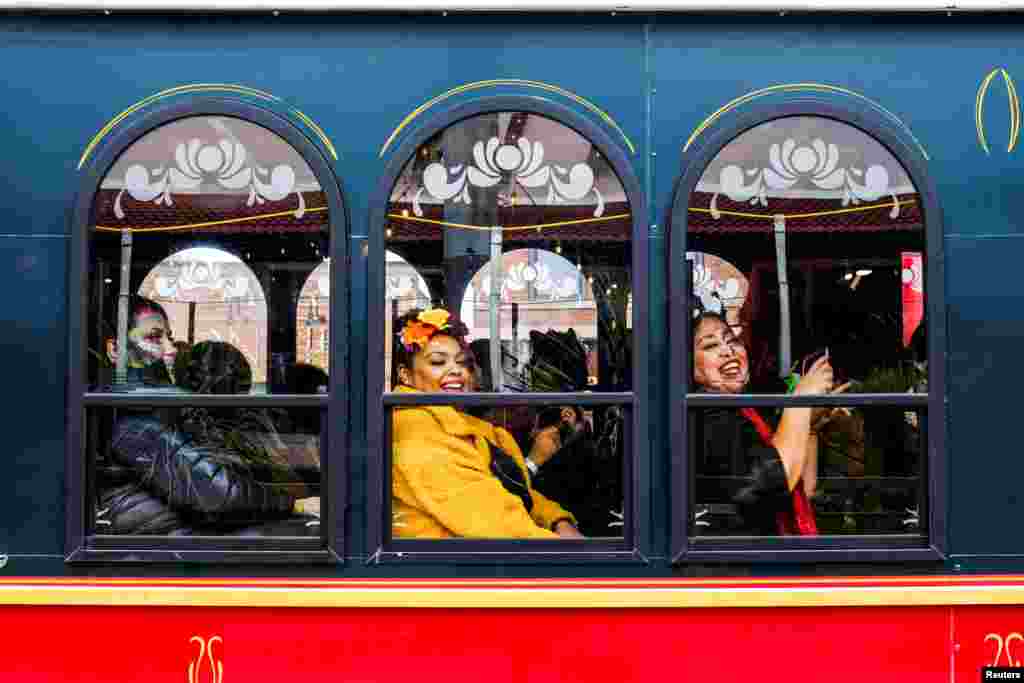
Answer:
x=986 y=327
x=33 y=316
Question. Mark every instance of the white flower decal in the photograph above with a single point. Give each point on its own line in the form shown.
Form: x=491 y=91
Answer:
x=816 y=162
x=523 y=162
x=225 y=162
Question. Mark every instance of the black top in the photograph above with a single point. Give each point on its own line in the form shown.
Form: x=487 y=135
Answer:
x=740 y=481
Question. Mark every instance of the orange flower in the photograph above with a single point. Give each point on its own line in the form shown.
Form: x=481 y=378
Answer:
x=416 y=333
x=438 y=317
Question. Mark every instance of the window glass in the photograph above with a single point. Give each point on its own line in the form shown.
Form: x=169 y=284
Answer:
x=461 y=472
x=207 y=276
x=206 y=229
x=517 y=225
x=404 y=290
x=807 y=234
x=194 y=471
x=806 y=248
x=312 y=320
x=862 y=473
x=508 y=270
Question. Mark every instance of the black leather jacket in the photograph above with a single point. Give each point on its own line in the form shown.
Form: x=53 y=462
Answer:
x=735 y=468
x=175 y=485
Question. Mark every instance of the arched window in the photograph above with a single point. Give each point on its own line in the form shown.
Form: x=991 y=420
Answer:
x=198 y=236
x=799 y=314
x=522 y=229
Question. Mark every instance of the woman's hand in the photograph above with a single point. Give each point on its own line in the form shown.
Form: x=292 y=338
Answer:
x=821 y=416
x=546 y=443
x=307 y=506
x=565 y=529
x=817 y=380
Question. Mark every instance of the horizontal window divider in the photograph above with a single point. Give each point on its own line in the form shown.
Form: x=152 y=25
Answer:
x=510 y=399
x=141 y=543
x=767 y=543
x=787 y=400
x=91 y=400
x=154 y=555
x=524 y=557
x=888 y=555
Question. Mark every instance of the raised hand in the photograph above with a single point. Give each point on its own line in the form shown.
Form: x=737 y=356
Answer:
x=817 y=380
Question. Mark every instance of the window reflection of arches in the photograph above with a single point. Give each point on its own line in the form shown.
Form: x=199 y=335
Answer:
x=719 y=286
x=212 y=295
x=313 y=319
x=540 y=291
x=404 y=290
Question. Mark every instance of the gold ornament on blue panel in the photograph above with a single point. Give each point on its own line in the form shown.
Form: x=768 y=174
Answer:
x=1014 y=104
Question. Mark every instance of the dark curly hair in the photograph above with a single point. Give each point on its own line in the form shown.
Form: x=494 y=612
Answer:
x=400 y=356
x=214 y=367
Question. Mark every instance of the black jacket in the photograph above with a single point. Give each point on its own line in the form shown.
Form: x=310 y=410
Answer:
x=162 y=482
x=740 y=481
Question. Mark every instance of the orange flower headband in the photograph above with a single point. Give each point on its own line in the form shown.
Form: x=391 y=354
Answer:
x=417 y=332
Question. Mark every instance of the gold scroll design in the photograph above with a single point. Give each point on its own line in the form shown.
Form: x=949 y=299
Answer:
x=195 y=666
x=508 y=82
x=193 y=88
x=979 y=108
x=797 y=87
x=1004 y=643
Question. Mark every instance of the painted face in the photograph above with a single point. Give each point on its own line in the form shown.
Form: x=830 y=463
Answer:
x=442 y=365
x=148 y=340
x=719 y=358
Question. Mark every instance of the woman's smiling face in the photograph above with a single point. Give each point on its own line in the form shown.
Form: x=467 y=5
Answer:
x=441 y=365
x=720 y=359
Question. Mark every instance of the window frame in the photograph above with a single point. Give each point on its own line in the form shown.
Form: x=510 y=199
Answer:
x=84 y=547
x=383 y=549
x=898 y=548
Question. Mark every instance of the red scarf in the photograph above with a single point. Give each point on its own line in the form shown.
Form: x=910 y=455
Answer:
x=800 y=520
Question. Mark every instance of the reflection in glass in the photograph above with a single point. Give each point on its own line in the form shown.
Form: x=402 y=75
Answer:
x=446 y=487
x=404 y=290
x=519 y=225
x=540 y=290
x=862 y=473
x=206 y=471
x=493 y=472
x=210 y=294
x=217 y=224
x=312 y=322
x=808 y=235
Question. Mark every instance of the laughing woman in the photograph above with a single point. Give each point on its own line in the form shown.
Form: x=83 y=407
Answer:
x=777 y=465
x=454 y=475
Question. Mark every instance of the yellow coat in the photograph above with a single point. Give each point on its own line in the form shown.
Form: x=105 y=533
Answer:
x=442 y=485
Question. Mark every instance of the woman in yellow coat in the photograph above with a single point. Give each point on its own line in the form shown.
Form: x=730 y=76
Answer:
x=452 y=474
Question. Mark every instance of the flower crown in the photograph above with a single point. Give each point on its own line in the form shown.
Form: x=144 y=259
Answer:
x=419 y=330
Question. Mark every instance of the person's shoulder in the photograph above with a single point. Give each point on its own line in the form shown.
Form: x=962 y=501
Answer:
x=407 y=421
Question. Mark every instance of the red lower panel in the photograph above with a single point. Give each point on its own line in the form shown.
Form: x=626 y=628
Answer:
x=858 y=645
x=987 y=636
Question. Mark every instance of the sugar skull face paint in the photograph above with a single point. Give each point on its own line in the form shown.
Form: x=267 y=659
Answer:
x=719 y=357
x=148 y=339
